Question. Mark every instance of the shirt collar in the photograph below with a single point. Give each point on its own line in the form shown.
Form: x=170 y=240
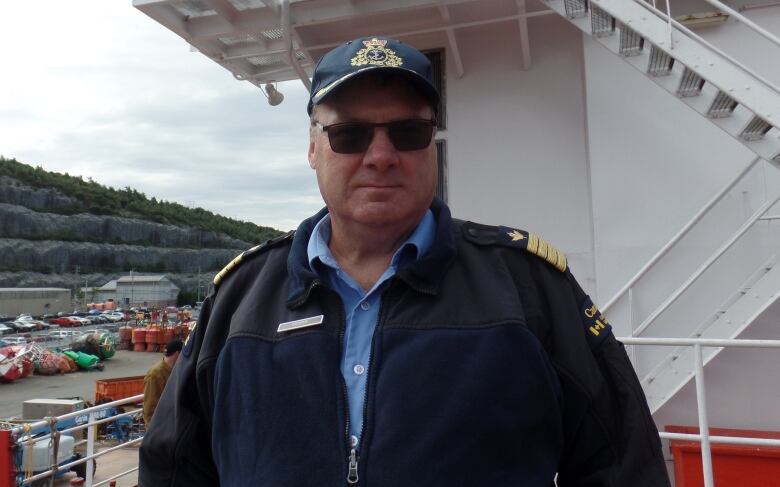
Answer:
x=413 y=248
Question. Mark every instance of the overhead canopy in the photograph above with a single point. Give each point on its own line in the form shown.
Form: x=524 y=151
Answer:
x=264 y=41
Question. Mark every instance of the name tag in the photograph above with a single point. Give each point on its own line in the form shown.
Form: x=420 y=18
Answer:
x=298 y=324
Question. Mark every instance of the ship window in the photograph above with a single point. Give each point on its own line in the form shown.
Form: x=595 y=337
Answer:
x=436 y=57
x=441 y=184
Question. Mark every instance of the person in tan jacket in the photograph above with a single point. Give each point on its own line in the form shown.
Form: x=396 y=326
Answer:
x=157 y=376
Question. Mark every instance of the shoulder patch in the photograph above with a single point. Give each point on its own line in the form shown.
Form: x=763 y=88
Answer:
x=243 y=256
x=597 y=325
x=512 y=237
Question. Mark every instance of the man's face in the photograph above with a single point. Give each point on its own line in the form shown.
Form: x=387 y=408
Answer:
x=382 y=186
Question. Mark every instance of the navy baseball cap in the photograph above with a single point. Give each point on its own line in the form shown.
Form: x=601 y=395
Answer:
x=369 y=54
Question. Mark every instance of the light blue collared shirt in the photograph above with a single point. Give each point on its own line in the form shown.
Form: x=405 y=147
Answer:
x=361 y=308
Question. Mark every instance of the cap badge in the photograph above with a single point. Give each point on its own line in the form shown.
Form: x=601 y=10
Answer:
x=375 y=53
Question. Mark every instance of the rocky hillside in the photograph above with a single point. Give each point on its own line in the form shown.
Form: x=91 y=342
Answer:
x=52 y=237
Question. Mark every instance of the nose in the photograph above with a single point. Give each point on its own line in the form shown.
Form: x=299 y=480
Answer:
x=381 y=153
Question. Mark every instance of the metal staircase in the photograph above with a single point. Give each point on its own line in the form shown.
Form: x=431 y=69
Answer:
x=729 y=95
x=715 y=85
x=735 y=315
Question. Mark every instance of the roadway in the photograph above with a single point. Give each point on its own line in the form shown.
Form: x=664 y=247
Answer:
x=77 y=384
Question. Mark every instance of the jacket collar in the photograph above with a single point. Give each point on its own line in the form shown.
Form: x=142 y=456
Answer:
x=424 y=275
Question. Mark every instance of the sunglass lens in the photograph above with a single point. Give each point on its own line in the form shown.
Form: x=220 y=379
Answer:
x=411 y=134
x=350 y=138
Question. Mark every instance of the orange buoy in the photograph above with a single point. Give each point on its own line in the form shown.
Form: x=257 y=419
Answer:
x=125 y=333
x=152 y=336
x=139 y=335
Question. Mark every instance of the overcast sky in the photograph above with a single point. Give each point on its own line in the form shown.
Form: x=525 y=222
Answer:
x=96 y=88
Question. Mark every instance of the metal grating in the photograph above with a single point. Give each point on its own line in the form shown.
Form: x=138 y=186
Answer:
x=660 y=62
x=247 y=4
x=275 y=59
x=575 y=8
x=602 y=24
x=272 y=34
x=193 y=8
x=756 y=129
x=690 y=84
x=722 y=106
x=241 y=39
x=631 y=43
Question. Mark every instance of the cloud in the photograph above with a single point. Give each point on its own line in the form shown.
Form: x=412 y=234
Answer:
x=108 y=93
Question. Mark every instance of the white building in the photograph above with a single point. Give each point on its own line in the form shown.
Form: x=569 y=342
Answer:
x=145 y=291
x=106 y=292
x=35 y=301
x=652 y=164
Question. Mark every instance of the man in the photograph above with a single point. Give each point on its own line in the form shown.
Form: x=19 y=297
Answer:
x=157 y=376
x=386 y=344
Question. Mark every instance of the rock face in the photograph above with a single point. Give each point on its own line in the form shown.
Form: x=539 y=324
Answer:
x=21 y=222
x=40 y=246
x=16 y=193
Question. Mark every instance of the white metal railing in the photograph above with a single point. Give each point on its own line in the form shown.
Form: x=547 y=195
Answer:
x=701 y=400
x=683 y=232
x=739 y=17
x=703 y=268
x=22 y=436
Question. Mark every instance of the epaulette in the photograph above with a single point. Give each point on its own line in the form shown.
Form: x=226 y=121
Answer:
x=512 y=237
x=244 y=256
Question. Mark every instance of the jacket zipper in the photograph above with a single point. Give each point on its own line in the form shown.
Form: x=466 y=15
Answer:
x=352 y=478
x=352 y=459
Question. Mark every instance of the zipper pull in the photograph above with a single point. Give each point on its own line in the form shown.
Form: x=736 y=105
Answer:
x=352 y=477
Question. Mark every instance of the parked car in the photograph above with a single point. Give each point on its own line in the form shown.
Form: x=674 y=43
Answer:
x=15 y=340
x=114 y=316
x=5 y=330
x=23 y=326
x=65 y=321
x=82 y=320
x=58 y=334
x=24 y=317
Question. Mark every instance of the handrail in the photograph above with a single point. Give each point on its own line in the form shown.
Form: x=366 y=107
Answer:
x=706 y=265
x=704 y=42
x=701 y=396
x=684 y=231
x=768 y=35
x=704 y=342
x=82 y=412
x=732 y=440
x=20 y=436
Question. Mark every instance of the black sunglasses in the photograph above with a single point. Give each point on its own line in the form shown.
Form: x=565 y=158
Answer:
x=355 y=137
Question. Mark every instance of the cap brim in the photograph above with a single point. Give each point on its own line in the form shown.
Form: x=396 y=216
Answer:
x=428 y=90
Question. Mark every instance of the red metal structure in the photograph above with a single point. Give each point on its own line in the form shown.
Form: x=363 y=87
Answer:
x=6 y=459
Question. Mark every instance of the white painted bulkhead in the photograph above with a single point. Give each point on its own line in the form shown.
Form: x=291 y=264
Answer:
x=522 y=147
x=596 y=158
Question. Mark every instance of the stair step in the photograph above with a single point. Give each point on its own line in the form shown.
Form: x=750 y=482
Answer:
x=676 y=369
x=735 y=100
x=690 y=84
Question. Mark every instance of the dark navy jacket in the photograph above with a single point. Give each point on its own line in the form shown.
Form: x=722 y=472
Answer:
x=489 y=367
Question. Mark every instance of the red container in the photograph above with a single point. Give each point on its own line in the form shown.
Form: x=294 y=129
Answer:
x=139 y=347
x=139 y=335
x=125 y=333
x=119 y=388
x=152 y=335
x=732 y=465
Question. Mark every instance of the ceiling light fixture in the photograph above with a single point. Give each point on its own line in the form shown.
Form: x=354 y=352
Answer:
x=273 y=95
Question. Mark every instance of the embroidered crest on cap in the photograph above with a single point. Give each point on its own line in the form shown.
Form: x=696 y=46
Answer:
x=377 y=54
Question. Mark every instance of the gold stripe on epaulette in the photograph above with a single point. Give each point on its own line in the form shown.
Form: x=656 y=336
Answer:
x=226 y=270
x=543 y=249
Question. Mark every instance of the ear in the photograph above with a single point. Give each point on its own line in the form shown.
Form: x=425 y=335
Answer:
x=312 y=156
